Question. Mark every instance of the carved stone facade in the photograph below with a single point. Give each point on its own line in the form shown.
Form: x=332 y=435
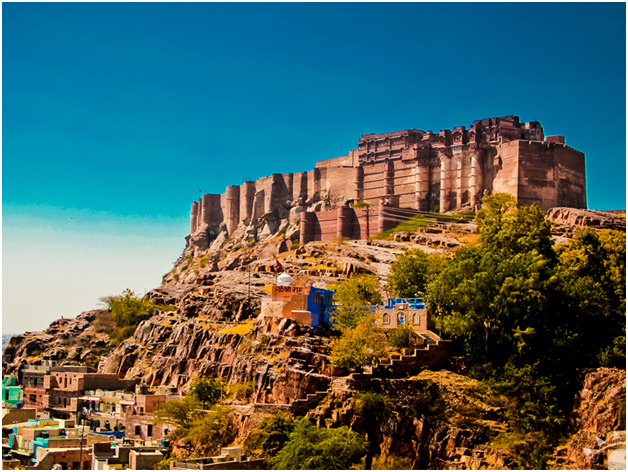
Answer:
x=416 y=169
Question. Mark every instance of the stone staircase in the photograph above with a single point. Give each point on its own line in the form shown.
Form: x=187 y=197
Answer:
x=301 y=406
x=434 y=354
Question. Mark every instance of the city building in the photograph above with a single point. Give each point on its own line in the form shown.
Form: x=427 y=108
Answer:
x=12 y=394
x=304 y=303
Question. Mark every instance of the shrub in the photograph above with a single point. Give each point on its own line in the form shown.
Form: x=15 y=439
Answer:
x=203 y=261
x=208 y=390
x=402 y=337
x=391 y=462
x=104 y=322
x=242 y=390
x=428 y=400
x=312 y=448
x=128 y=309
x=359 y=346
x=372 y=403
x=271 y=434
x=360 y=205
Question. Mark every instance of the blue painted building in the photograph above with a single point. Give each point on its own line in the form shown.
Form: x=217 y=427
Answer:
x=305 y=304
x=320 y=303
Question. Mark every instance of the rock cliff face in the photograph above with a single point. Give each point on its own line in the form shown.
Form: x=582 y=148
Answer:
x=216 y=289
x=599 y=409
x=568 y=220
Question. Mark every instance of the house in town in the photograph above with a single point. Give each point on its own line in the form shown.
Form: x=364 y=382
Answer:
x=12 y=394
x=304 y=303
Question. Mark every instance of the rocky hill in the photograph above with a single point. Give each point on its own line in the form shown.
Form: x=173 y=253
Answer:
x=216 y=287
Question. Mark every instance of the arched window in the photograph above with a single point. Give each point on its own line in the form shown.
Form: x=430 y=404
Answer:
x=401 y=317
x=417 y=318
x=386 y=319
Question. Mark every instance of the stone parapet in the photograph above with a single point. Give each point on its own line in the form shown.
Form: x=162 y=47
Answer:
x=422 y=170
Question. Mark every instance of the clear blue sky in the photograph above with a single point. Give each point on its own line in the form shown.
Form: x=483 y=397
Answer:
x=116 y=114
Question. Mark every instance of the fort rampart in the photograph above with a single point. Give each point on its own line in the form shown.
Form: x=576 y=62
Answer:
x=411 y=168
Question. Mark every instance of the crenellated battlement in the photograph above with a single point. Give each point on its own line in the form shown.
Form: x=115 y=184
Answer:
x=418 y=169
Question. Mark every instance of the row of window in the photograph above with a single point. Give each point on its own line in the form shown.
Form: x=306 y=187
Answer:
x=321 y=299
x=401 y=318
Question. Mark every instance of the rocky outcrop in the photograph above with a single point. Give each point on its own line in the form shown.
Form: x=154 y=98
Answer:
x=452 y=435
x=567 y=220
x=70 y=340
x=599 y=409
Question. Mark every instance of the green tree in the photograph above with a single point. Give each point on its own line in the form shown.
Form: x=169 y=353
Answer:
x=128 y=309
x=312 y=448
x=202 y=432
x=361 y=289
x=242 y=390
x=208 y=391
x=212 y=430
x=179 y=413
x=272 y=433
x=355 y=295
x=402 y=337
x=412 y=271
x=517 y=303
x=595 y=271
x=506 y=229
x=360 y=346
x=491 y=220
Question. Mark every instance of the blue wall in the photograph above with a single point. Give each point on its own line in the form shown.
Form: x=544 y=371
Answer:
x=319 y=310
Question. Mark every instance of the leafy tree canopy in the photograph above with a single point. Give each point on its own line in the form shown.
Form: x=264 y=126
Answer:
x=360 y=346
x=354 y=295
x=180 y=413
x=358 y=290
x=411 y=272
x=312 y=448
x=212 y=430
x=402 y=337
x=201 y=431
x=516 y=301
x=506 y=229
x=272 y=433
x=128 y=309
x=208 y=391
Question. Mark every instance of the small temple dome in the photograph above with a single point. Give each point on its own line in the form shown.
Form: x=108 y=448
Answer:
x=284 y=280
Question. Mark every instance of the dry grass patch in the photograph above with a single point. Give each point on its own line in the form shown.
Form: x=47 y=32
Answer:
x=241 y=329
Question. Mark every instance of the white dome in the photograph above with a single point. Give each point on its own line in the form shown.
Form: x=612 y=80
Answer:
x=284 y=280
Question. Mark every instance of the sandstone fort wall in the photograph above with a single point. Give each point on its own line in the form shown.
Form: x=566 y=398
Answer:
x=411 y=168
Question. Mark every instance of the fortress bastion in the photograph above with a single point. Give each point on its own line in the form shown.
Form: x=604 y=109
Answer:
x=404 y=169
